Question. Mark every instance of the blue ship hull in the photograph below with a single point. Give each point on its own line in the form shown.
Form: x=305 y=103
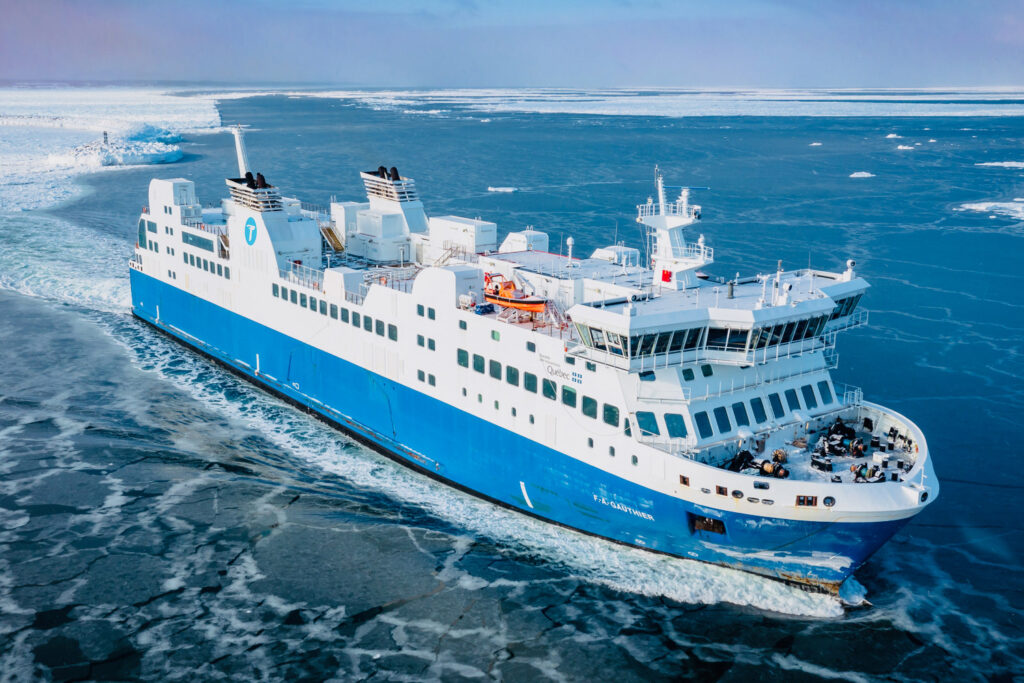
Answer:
x=499 y=465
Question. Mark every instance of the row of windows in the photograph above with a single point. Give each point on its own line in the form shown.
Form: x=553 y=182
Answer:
x=428 y=312
x=845 y=306
x=319 y=305
x=424 y=377
x=197 y=241
x=426 y=342
x=151 y=245
x=548 y=388
x=209 y=266
x=168 y=230
x=757 y=409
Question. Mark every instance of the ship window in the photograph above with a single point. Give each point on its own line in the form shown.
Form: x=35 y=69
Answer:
x=463 y=357
x=787 y=335
x=776 y=404
x=379 y=327
x=312 y=303
x=344 y=314
x=806 y=501
x=722 y=420
x=276 y=290
x=611 y=415
x=707 y=370
x=703 y=424
x=302 y=300
x=801 y=330
x=677 y=341
x=590 y=442
x=722 y=491
x=647 y=376
x=191 y=260
x=531 y=347
x=392 y=333
x=701 y=523
x=495 y=335
x=647 y=423
x=635 y=460
x=571 y=360
x=611 y=451
x=530 y=382
x=478 y=363
x=763 y=485
x=323 y=307
x=598 y=338
x=196 y=241
x=549 y=389
x=420 y=340
x=591 y=366
x=293 y=296
x=675 y=425
x=739 y=411
x=647 y=344
x=825 y=391
x=420 y=375
x=531 y=419
x=184 y=256
x=367 y=323
x=227 y=273
x=462 y=324
x=626 y=428
x=151 y=226
x=512 y=375
x=684 y=480
x=809 y=400
x=688 y=374
x=757 y=405
x=431 y=314
x=738 y=340
x=334 y=311
x=663 y=339
x=356 y=319
x=206 y=265
x=792 y=400
x=220 y=270
x=419 y=310
x=717 y=337
x=589 y=407
x=495 y=368
x=693 y=339
x=142 y=232
x=569 y=396
x=431 y=380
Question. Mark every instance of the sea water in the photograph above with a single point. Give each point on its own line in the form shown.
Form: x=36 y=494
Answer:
x=161 y=518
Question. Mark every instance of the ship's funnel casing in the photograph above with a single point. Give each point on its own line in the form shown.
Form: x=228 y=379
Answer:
x=243 y=157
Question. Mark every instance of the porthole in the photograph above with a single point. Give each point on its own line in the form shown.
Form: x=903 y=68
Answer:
x=737 y=494
x=828 y=501
x=753 y=500
x=924 y=496
x=767 y=501
x=705 y=490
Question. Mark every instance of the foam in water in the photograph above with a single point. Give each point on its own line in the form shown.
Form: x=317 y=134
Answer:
x=815 y=144
x=1002 y=164
x=862 y=174
x=1012 y=209
x=904 y=147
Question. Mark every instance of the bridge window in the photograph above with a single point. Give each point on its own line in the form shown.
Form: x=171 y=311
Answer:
x=792 y=400
x=647 y=423
x=463 y=357
x=738 y=340
x=703 y=423
x=777 y=409
x=693 y=340
x=717 y=338
x=610 y=415
x=801 y=330
x=678 y=337
x=598 y=337
x=809 y=399
x=495 y=369
x=530 y=382
x=739 y=411
x=512 y=375
x=675 y=425
x=825 y=391
x=569 y=396
x=589 y=407
x=787 y=335
x=662 y=345
x=757 y=405
x=549 y=389
x=722 y=420
x=478 y=363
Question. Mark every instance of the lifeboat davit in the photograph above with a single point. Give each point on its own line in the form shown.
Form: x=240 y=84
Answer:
x=502 y=292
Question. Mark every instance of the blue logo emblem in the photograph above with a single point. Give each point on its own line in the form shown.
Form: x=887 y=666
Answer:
x=250 y=231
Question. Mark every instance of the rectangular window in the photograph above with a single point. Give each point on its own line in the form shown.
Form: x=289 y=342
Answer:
x=367 y=323
x=431 y=314
x=276 y=290
x=717 y=337
x=589 y=407
x=312 y=304
x=463 y=357
x=722 y=490
x=688 y=374
x=722 y=420
x=675 y=425
x=648 y=376
x=707 y=370
x=284 y=293
x=757 y=405
x=494 y=367
x=462 y=324
x=647 y=423
x=776 y=404
x=419 y=310
x=431 y=345
x=206 y=265
x=549 y=389
x=151 y=226
x=431 y=380
x=356 y=319
x=610 y=414
x=684 y=480
x=420 y=340
x=591 y=366
x=825 y=391
x=806 y=501
x=379 y=328
x=792 y=400
x=809 y=400
x=184 y=256
x=323 y=307
x=478 y=363
x=512 y=375
x=334 y=311
x=191 y=259
x=294 y=296
x=220 y=270
x=530 y=382
x=531 y=347
x=227 y=273
x=421 y=376
x=344 y=315
x=392 y=333
x=495 y=335
x=569 y=396
x=571 y=360
x=701 y=523
x=302 y=300
x=703 y=423
x=196 y=241
x=739 y=411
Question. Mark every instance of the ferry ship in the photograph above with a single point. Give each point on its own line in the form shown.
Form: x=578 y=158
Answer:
x=634 y=398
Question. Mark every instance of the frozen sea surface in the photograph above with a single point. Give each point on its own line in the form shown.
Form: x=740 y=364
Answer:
x=159 y=518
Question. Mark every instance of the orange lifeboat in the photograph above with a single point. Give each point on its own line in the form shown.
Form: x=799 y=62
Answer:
x=502 y=292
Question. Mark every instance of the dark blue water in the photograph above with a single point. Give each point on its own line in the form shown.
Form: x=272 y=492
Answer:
x=159 y=518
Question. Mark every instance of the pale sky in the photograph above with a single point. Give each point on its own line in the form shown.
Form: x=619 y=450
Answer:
x=478 y=43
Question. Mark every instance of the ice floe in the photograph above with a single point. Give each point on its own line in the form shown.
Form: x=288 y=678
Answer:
x=503 y=189
x=1014 y=209
x=815 y=144
x=862 y=174
x=904 y=147
x=1002 y=164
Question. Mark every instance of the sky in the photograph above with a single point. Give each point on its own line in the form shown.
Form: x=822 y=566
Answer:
x=502 y=43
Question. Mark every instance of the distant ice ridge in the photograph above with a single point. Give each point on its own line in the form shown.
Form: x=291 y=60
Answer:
x=503 y=189
x=892 y=136
x=815 y=144
x=1003 y=164
x=50 y=135
x=904 y=147
x=1012 y=209
x=862 y=174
